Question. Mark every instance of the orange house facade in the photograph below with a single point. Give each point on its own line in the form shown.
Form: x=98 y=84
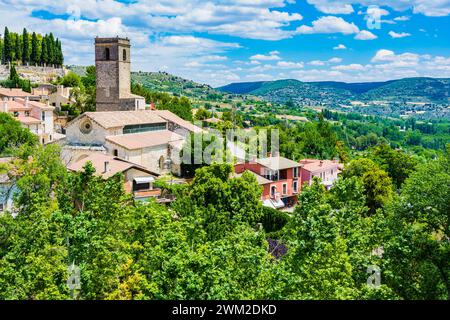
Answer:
x=280 y=178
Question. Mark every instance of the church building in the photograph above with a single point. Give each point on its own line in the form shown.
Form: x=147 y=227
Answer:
x=123 y=126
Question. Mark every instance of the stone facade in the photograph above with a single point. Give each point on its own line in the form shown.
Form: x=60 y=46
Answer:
x=113 y=71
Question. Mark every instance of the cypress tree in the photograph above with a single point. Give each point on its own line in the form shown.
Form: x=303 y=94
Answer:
x=14 y=77
x=7 y=47
x=59 y=55
x=44 y=51
x=34 y=49
x=51 y=49
x=26 y=52
x=1 y=50
x=18 y=48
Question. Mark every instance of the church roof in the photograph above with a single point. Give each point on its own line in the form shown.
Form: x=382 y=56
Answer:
x=169 y=116
x=144 y=140
x=117 y=119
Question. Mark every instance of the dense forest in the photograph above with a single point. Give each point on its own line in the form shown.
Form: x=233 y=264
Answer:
x=30 y=49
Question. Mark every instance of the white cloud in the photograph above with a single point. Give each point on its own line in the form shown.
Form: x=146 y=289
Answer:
x=290 y=65
x=273 y=55
x=335 y=60
x=396 y=35
x=340 y=47
x=317 y=63
x=329 y=24
x=365 y=35
x=263 y=19
x=402 y=18
x=350 y=67
x=433 y=8
x=320 y=63
x=331 y=8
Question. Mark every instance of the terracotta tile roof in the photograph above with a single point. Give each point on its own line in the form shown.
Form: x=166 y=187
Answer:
x=117 y=119
x=16 y=106
x=278 y=163
x=40 y=105
x=115 y=165
x=169 y=116
x=14 y=92
x=314 y=165
x=144 y=140
x=28 y=120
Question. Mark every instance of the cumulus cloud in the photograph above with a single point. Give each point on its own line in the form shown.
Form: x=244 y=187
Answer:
x=396 y=35
x=290 y=65
x=349 y=67
x=273 y=55
x=365 y=35
x=432 y=8
x=329 y=24
x=402 y=18
x=340 y=47
x=329 y=7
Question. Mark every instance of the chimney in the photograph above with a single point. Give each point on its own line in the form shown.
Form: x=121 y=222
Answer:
x=106 y=167
x=26 y=102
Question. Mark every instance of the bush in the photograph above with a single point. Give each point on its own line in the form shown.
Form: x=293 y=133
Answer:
x=273 y=220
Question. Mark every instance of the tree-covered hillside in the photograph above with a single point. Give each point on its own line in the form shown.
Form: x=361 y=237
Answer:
x=410 y=89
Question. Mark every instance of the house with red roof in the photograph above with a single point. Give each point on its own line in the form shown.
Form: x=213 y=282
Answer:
x=280 y=178
x=326 y=170
x=33 y=115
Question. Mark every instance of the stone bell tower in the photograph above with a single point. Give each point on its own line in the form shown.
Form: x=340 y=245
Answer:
x=113 y=68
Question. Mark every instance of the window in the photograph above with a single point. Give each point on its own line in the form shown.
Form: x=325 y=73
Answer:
x=141 y=186
x=284 y=188
x=43 y=115
x=27 y=113
x=124 y=55
x=16 y=113
x=273 y=190
x=295 y=186
x=107 y=55
x=2 y=207
x=295 y=172
x=144 y=128
x=116 y=153
x=86 y=127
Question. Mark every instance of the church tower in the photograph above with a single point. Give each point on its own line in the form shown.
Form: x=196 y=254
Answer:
x=113 y=67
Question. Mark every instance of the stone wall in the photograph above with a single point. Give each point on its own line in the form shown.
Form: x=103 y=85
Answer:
x=34 y=74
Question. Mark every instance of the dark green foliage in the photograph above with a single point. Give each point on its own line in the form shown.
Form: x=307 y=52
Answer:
x=35 y=49
x=273 y=220
x=13 y=135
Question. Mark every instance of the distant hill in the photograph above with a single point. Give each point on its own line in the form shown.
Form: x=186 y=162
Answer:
x=409 y=89
x=166 y=82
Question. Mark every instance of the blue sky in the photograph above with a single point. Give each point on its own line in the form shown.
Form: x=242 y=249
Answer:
x=223 y=41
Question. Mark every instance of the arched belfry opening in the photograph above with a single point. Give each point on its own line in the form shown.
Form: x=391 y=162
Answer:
x=124 y=55
x=107 y=54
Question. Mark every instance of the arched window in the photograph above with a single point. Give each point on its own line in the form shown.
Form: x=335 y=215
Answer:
x=107 y=54
x=124 y=55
